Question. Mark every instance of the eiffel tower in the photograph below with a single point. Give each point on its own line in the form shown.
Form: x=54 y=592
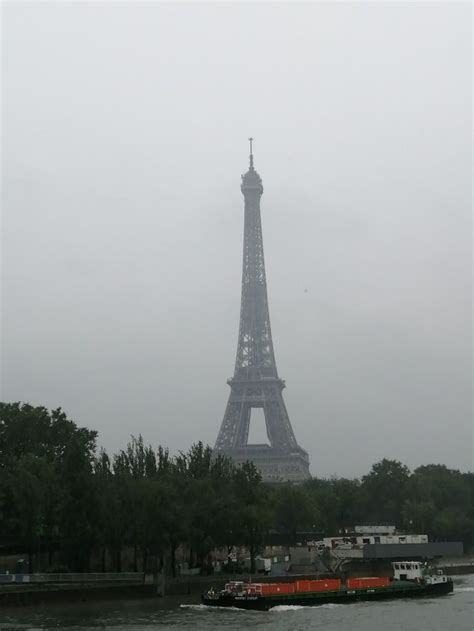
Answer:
x=256 y=383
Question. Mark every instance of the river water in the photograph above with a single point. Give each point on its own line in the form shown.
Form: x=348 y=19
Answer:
x=454 y=612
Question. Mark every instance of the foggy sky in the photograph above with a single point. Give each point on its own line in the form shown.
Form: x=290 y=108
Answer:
x=125 y=133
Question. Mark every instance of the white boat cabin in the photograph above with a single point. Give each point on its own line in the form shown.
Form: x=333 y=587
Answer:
x=406 y=570
x=417 y=571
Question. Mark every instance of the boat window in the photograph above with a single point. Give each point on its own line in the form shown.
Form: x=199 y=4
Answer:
x=402 y=566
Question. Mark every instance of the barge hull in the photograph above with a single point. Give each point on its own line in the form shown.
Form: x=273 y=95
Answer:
x=343 y=596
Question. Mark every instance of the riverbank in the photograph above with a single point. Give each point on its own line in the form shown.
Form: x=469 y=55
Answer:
x=23 y=594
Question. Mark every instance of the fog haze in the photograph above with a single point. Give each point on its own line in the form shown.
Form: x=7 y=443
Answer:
x=125 y=133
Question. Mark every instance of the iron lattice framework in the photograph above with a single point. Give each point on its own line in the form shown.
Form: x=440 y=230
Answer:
x=256 y=383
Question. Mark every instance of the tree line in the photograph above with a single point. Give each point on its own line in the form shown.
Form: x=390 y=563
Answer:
x=85 y=507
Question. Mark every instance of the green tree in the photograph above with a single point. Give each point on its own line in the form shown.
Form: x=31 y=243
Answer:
x=293 y=509
x=384 y=490
x=25 y=429
x=442 y=498
x=45 y=468
x=29 y=482
x=324 y=499
x=78 y=507
x=254 y=517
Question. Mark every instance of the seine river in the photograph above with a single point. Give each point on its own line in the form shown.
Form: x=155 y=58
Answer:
x=454 y=612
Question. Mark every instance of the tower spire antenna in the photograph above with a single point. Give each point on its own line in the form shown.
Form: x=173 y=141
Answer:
x=251 y=152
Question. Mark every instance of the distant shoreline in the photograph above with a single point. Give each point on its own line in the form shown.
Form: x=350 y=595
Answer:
x=25 y=594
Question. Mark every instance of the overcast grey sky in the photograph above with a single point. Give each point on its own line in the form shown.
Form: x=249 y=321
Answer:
x=125 y=134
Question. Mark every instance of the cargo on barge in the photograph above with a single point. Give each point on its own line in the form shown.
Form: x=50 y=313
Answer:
x=410 y=579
